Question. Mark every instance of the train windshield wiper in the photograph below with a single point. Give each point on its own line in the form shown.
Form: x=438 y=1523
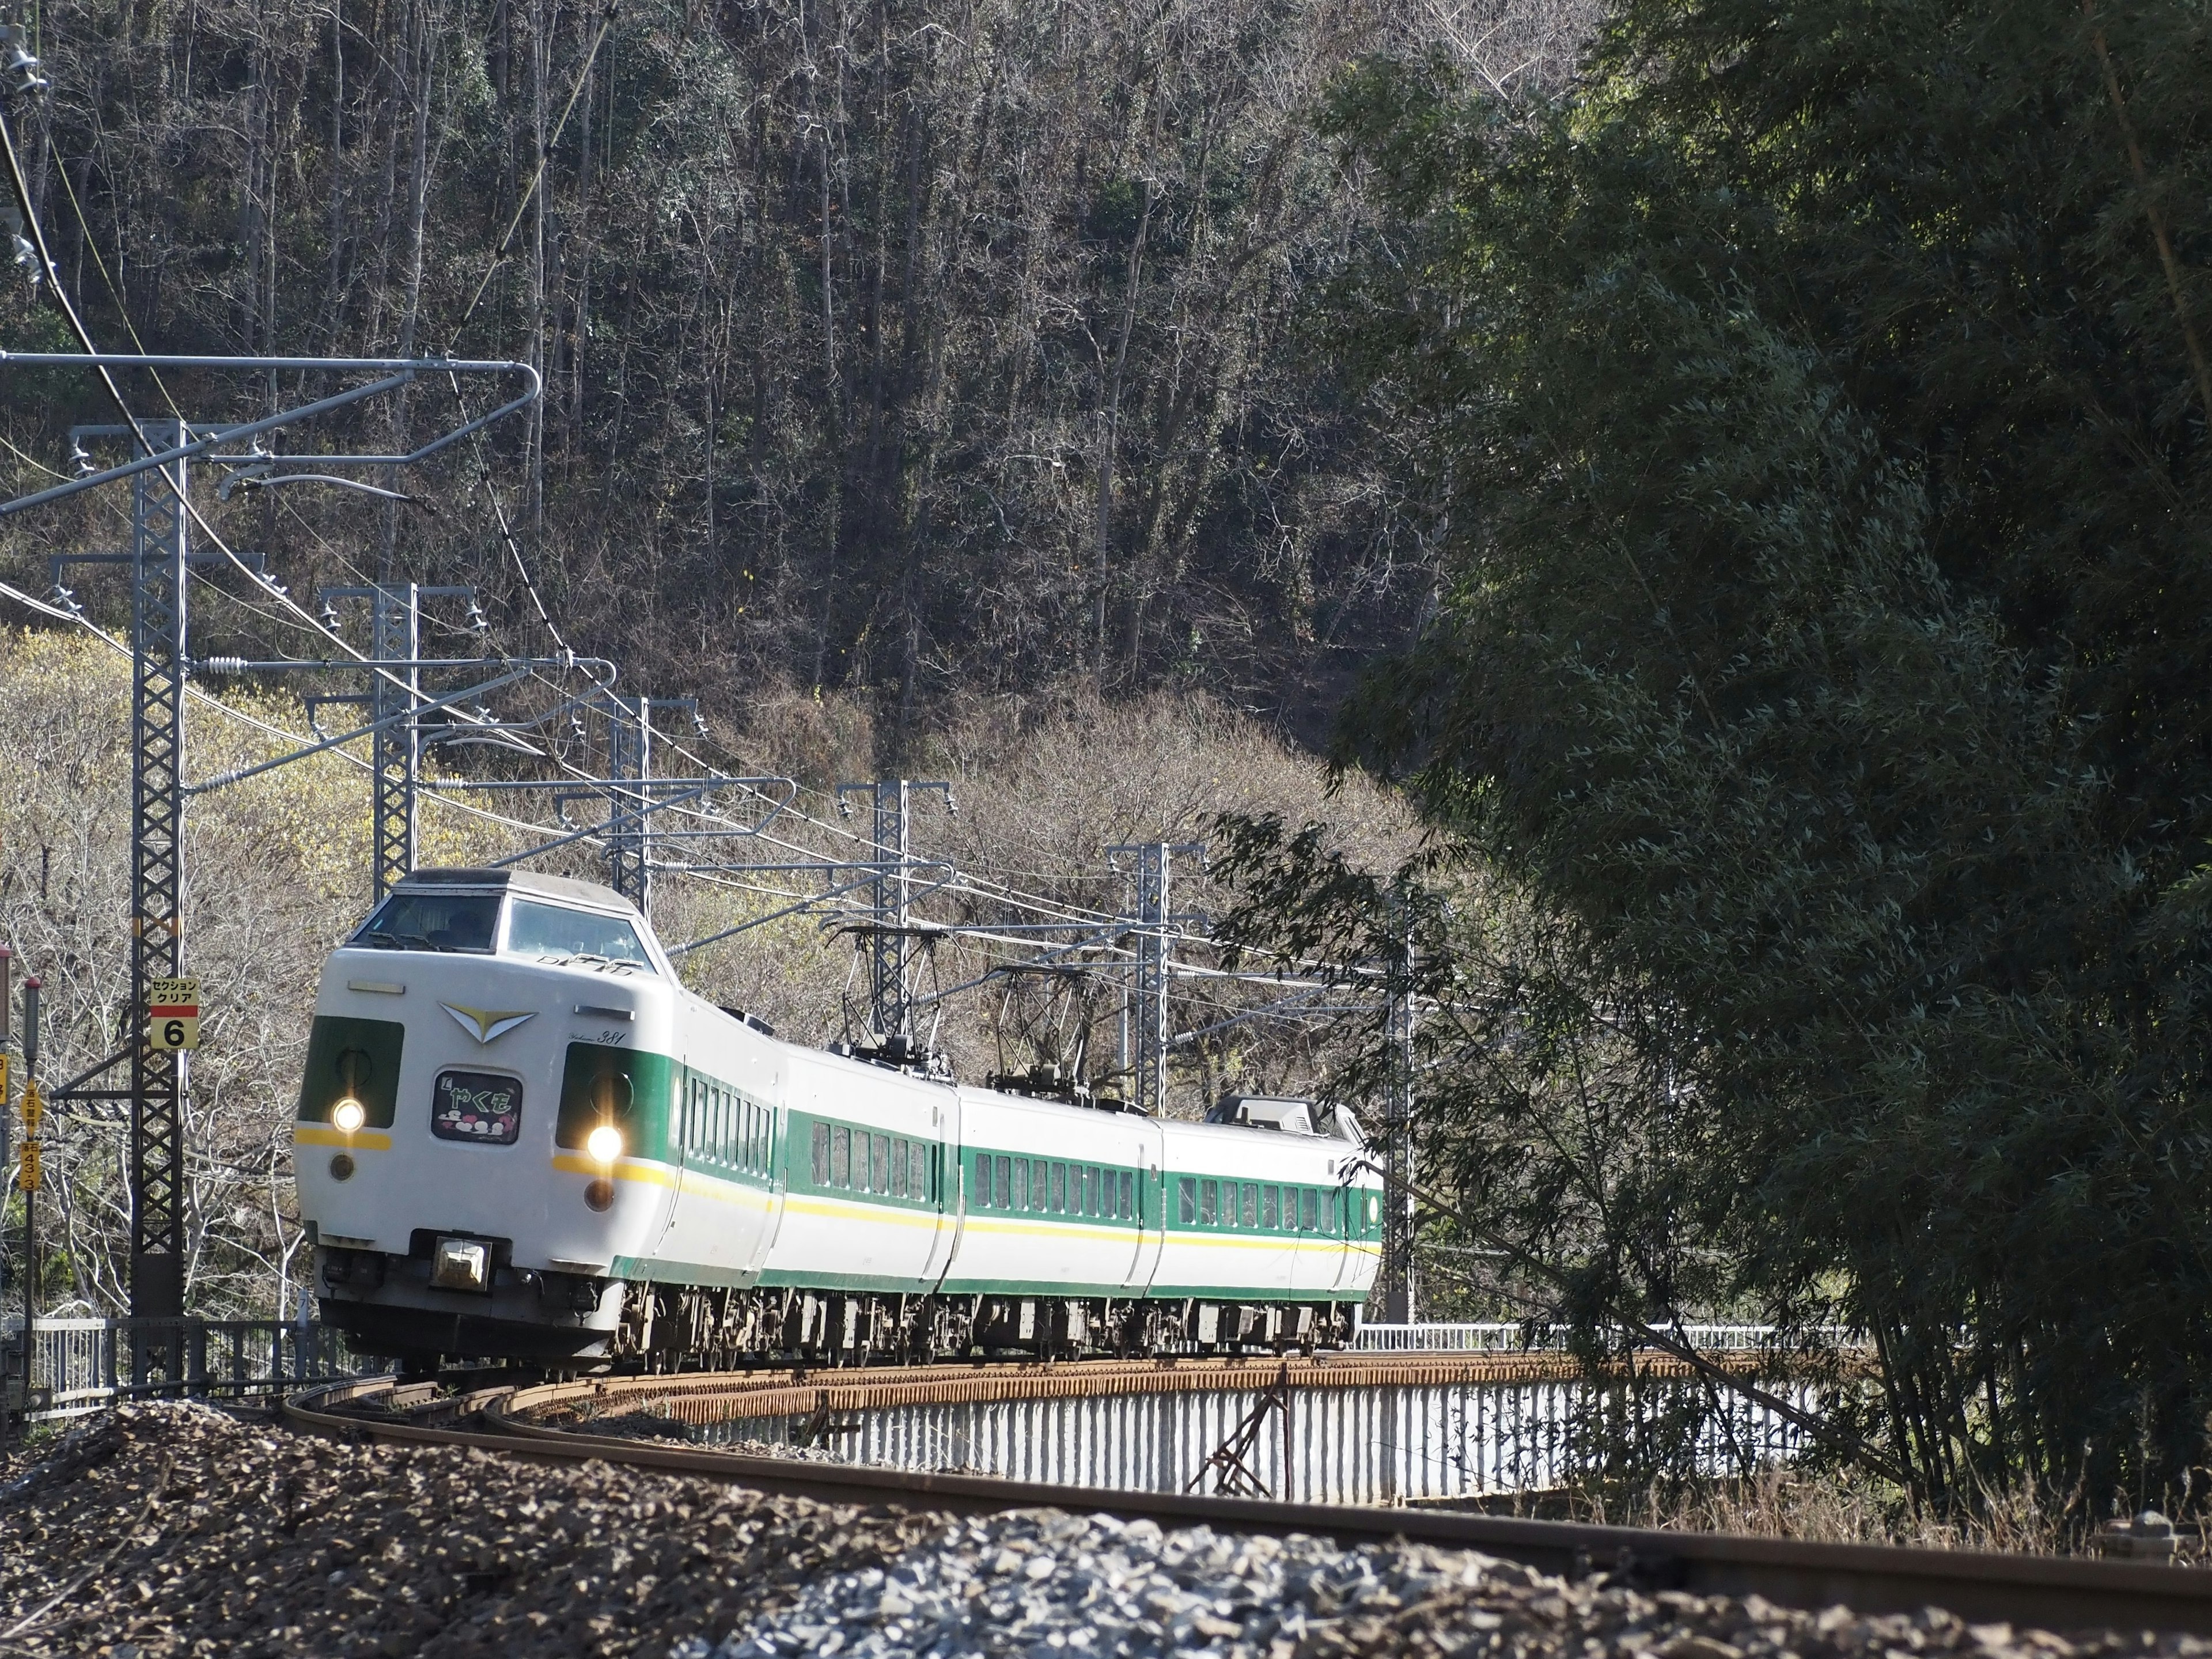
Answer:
x=384 y=939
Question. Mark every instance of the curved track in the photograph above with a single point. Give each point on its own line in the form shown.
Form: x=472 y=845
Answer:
x=538 y=1423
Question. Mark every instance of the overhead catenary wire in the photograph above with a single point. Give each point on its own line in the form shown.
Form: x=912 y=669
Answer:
x=967 y=885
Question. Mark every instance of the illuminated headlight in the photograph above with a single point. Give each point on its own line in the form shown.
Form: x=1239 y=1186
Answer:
x=348 y=1116
x=604 y=1144
x=461 y=1264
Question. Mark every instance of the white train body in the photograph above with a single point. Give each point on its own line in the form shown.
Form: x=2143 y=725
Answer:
x=521 y=1136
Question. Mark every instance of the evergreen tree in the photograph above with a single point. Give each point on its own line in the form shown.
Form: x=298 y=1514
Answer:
x=1814 y=406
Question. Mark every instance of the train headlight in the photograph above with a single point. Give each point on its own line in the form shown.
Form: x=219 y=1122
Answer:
x=348 y=1116
x=604 y=1144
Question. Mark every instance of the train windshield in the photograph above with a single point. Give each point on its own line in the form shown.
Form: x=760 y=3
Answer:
x=425 y=919
x=553 y=930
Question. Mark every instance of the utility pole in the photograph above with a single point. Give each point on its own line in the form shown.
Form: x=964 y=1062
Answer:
x=160 y=548
x=29 y=1175
x=7 y=1099
x=890 y=934
x=630 y=804
x=1146 y=1015
x=1396 y=1285
x=395 y=692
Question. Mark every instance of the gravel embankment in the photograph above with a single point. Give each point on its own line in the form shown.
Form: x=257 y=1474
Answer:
x=203 y=1535
x=179 y=1531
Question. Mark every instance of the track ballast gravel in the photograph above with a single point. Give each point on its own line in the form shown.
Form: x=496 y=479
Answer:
x=177 y=1530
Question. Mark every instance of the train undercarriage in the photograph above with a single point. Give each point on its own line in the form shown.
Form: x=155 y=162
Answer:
x=668 y=1328
x=393 y=1305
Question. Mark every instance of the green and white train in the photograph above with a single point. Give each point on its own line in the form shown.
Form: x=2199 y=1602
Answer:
x=520 y=1137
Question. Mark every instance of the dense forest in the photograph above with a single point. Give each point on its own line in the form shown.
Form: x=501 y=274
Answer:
x=901 y=348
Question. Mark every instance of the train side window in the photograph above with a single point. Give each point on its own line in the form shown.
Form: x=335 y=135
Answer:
x=1040 y=1183
x=1209 y=1203
x=918 y=1168
x=822 y=1155
x=1091 y=1190
x=898 y=1167
x=1185 y=1199
x=1006 y=1184
x=841 y=1156
x=1308 y=1202
x=1059 y=1188
x=1270 y=1210
x=1251 y=1206
x=1124 y=1184
x=1021 y=1183
x=883 y=1167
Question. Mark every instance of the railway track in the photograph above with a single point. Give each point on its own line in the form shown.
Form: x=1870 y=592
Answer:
x=550 y=1424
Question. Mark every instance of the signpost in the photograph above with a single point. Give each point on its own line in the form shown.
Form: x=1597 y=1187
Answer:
x=172 y=1013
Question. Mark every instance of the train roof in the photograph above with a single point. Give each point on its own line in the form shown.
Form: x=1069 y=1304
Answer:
x=522 y=881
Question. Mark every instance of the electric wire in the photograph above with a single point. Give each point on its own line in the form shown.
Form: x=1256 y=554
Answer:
x=966 y=883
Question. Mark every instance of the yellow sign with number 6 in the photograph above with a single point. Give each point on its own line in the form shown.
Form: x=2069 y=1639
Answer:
x=172 y=1013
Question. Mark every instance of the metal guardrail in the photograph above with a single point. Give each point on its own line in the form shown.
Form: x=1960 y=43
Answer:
x=68 y=1367
x=1553 y=1339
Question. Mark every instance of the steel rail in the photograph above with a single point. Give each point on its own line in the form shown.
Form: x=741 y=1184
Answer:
x=2054 y=1593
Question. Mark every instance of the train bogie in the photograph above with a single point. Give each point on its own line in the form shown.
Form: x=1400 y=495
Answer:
x=521 y=1136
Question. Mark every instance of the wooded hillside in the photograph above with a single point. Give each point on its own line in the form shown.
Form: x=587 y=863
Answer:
x=888 y=347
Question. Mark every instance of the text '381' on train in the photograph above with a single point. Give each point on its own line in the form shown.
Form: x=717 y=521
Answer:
x=520 y=1137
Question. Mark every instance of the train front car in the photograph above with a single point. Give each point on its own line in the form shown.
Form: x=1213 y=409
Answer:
x=472 y=1092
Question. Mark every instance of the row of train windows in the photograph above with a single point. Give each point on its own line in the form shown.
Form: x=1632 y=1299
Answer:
x=865 y=1163
x=1241 y=1204
x=1037 y=1183
x=724 y=1126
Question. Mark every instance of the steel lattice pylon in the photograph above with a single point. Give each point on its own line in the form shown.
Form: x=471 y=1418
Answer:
x=1146 y=1058
x=160 y=546
x=629 y=760
x=395 y=630
x=890 y=934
